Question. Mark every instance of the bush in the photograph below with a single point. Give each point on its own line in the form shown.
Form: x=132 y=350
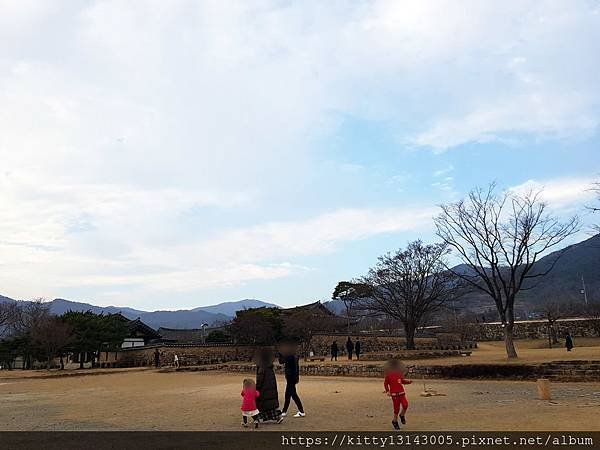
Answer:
x=217 y=336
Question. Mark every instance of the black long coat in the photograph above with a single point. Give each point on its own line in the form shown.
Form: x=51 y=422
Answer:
x=266 y=384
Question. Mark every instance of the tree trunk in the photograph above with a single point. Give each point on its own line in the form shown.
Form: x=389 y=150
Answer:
x=347 y=306
x=409 y=331
x=511 y=352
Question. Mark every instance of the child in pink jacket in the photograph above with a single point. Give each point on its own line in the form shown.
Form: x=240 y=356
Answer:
x=249 y=394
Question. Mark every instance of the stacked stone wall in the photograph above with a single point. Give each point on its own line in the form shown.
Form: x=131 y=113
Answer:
x=188 y=354
x=556 y=371
x=539 y=329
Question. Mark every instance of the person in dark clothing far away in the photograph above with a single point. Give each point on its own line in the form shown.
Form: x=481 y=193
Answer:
x=357 y=348
x=288 y=358
x=156 y=358
x=349 y=347
x=334 y=351
x=266 y=383
x=569 y=342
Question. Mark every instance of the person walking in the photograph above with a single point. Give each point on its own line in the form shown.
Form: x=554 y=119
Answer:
x=349 y=348
x=176 y=361
x=357 y=348
x=288 y=358
x=156 y=358
x=266 y=383
x=334 y=351
x=569 y=342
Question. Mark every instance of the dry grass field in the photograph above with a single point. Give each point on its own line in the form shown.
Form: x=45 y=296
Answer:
x=148 y=399
x=154 y=400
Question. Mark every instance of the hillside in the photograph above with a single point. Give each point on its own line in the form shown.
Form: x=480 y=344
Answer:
x=194 y=318
x=562 y=285
x=230 y=308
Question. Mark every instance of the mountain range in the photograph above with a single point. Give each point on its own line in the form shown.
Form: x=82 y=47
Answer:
x=184 y=318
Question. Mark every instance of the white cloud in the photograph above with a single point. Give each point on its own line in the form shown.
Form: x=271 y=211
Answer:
x=545 y=116
x=561 y=193
x=121 y=236
x=444 y=171
x=117 y=122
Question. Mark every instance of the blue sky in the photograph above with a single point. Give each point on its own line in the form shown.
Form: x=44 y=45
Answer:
x=178 y=154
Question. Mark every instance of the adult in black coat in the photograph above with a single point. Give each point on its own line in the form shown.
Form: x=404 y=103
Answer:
x=266 y=383
x=334 y=351
x=349 y=347
x=569 y=342
x=357 y=348
x=288 y=358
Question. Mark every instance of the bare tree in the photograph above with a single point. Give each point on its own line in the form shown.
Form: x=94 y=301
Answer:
x=8 y=314
x=500 y=237
x=28 y=314
x=408 y=285
x=552 y=312
x=52 y=335
x=596 y=188
x=302 y=325
x=596 y=209
x=350 y=294
x=466 y=325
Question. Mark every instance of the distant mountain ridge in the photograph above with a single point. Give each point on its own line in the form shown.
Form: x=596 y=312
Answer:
x=230 y=308
x=184 y=318
x=562 y=284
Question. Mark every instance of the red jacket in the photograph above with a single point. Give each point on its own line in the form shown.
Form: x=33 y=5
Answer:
x=249 y=399
x=394 y=382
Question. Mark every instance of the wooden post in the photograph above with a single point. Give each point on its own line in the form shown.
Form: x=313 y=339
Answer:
x=543 y=385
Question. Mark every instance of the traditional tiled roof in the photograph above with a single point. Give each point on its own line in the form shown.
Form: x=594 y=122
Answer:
x=137 y=327
x=183 y=335
x=316 y=307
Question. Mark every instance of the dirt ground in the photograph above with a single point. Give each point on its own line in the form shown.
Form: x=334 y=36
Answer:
x=153 y=400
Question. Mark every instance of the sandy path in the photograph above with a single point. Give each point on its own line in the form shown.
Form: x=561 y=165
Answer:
x=150 y=400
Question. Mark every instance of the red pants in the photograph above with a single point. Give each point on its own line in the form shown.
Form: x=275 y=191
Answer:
x=400 y=400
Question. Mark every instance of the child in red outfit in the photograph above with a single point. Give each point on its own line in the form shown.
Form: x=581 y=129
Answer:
x=394 y=387
x=249 y=394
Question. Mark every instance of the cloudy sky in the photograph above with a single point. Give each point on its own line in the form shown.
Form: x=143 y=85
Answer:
x=173 y=154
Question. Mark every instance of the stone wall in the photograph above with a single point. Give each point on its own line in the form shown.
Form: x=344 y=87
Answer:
x=386 y=343
x=374 y=348
x=556 y=371
x=538 y=329
x=188 y=354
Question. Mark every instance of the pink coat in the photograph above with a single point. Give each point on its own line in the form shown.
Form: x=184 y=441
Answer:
x=249 y=399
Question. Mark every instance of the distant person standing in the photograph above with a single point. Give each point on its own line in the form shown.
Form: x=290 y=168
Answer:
x=349 y=348
x=569 y=342
x=176 y=361
x=288 y=358
x=357 y=348
x=334 y=351
x=156 y=358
